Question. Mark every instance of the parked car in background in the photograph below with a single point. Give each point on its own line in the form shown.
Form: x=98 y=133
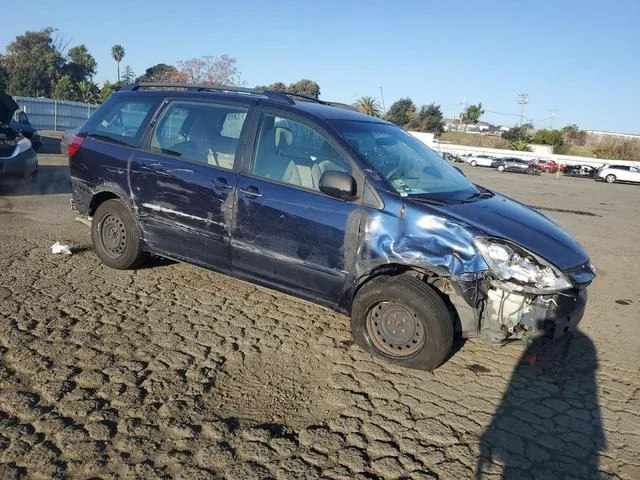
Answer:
x=517 y=165
x=23 y=125
x=547 y=165
x=17 y=156
x=586 y=171
x=326 y=203
x=480 y=160
x=450 y=157
x=619 y=173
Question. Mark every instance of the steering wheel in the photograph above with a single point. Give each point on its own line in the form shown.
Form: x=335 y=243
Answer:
x=391 y=175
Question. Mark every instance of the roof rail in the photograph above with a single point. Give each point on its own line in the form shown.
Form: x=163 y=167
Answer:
x=270 y=94
x=275 y=95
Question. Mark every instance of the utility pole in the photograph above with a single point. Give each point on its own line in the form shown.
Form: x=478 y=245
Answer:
x=464 y=106
x=384 y=110
x=552 y=114
x=523 y=99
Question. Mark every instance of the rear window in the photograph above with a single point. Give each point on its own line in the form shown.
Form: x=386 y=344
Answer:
x=121 y=119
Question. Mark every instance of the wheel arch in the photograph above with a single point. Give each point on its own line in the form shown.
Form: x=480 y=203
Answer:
x=106 y=192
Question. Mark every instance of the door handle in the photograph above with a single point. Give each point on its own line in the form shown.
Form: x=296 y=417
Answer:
x=251 y=191
x=222 y=184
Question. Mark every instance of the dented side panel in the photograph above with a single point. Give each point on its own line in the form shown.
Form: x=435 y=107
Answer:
x=413 y=238
x=184 y=207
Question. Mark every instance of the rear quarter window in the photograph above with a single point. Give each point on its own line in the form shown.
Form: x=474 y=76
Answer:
x=122 y=119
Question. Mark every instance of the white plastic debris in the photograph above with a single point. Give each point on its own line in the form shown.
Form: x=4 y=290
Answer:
x=60 y=248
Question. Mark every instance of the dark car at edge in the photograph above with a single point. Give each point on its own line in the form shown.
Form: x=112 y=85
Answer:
x=327 y=204
x=17 y=156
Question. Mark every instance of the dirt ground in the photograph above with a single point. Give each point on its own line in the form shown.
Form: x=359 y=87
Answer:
x=172 y=371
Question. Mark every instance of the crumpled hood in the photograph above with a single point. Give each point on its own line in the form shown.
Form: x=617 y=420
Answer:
x=503 y=217
x=7 y=107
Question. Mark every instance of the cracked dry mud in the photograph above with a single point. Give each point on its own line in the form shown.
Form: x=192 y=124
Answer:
x=172 y=371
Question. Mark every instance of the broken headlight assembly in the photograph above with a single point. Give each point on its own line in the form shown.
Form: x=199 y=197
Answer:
x=521 y=269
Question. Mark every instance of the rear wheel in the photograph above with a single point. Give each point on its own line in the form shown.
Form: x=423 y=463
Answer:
x=501 y=168
x=404 y=321
x=474 y=163
x=116 y=236
x=610 y=178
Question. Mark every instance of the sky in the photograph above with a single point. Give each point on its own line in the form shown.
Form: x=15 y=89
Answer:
x=578 y=61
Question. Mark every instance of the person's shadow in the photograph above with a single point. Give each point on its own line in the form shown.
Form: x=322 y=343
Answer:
x=548 y=424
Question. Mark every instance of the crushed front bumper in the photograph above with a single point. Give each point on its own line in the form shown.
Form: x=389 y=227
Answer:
x=511 y=315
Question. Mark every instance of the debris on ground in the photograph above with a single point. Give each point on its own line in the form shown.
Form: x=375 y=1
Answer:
x=60 y=248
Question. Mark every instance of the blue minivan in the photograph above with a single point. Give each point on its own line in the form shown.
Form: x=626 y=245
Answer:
x=328 y=204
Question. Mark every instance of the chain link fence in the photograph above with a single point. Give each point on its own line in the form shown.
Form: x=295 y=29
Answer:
x=48 y=114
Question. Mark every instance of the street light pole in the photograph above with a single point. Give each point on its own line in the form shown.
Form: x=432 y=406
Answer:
x=523 y=99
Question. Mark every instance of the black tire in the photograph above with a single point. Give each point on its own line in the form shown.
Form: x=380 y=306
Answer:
x=409 y=298
x=116 y=236
x=474 y=163
x=610 y=178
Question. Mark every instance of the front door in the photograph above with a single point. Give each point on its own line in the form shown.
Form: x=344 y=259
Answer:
x=287 y=233
x=184 y=183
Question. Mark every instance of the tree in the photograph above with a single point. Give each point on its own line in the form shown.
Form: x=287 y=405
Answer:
x=277 y=86
x=87 y=91
x=117 y=52
x=369 y=105
x=428 y=119
x=64 y=89
x=208 y=70
x=305 y=87
x=573 y=135
x=472 y=115
x=3 y=75
x=402 y=112
x=32 y=63
x=518 y=133
x=159 y=73
x=80 y=64
x=128 y=76
x=548 y=137
x=107 y=89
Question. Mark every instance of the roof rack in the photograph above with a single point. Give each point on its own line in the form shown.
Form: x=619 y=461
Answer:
x=274 y=95
x=270 y=94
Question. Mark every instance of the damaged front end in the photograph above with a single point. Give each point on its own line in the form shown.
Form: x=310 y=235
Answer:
x=495 y=288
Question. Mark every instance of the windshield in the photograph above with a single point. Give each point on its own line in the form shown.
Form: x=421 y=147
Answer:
x=412 y=168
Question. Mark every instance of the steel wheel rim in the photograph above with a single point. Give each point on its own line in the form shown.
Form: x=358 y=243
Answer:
x=113 y=235
x=395 y=329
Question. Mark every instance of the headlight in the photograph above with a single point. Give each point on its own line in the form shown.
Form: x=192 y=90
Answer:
x=511 y=263
x=23 y=145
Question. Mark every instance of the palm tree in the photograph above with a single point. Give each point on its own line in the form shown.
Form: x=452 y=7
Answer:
x=369 y=105
x=117 y=52
x=87 y=91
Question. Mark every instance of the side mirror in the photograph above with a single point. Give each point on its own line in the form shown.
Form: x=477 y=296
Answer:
x=338 y=184
x=22 y=118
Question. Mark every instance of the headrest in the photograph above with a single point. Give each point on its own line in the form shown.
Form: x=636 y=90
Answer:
x=283 y=137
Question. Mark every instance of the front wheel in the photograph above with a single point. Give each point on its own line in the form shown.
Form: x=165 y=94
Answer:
x=610 y=178
x=402 y=320
x=116 y=236
x=501 y=168
x=474 y=163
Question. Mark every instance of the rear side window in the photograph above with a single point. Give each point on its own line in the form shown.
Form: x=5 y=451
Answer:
x=200 y=132
x=122 y=120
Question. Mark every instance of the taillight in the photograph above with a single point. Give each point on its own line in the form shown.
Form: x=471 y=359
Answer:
x=74 y=146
